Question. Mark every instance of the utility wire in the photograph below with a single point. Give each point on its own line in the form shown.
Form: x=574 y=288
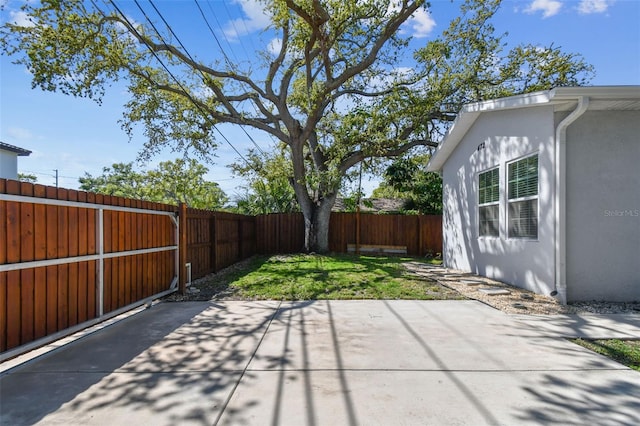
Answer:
x=155 y=55
x=236 y=29
x=255 y=108
x=229 y=63
x=224 y=34
x=189 y=55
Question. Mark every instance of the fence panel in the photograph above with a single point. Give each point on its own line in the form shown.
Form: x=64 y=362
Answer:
x=216 y=240
x=200 y=247
x=68 y=257
x=284 y=233
x=280 y=233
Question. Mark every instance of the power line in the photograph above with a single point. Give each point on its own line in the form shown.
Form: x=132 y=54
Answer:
x=255 y=108
x=186 y=51
x=229 y=64
x=155 y=55
x=236 y=29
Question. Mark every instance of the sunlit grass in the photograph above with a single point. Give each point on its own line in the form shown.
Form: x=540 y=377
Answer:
x=310 y=277
x=625 y=352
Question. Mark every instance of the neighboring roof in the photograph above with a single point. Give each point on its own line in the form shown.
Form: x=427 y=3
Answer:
x=563 y=98
x=11 y=148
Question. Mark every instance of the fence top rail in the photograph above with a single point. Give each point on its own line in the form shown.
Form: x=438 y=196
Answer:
x=64 y=203
x=26 y=189
x=191 y=212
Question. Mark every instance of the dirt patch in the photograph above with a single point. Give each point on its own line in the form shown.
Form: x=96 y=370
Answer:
x=214 y=286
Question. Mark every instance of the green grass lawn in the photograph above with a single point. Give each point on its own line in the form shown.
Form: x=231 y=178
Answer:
x=310 y=277
x=625 y=352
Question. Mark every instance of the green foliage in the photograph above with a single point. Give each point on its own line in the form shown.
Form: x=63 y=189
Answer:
x=173 y=182
x=269 y=188
x=385 y=190
x=422 y=189
x=468 y=64
x=27 y=177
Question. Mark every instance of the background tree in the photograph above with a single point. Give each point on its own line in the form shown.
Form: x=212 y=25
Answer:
x=269 y=188
x=331 y=94
x=173 y=182
x=27 y=177
x=120 y=180
x=422 y=190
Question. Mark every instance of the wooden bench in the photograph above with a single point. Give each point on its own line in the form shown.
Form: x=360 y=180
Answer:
x=377 y=249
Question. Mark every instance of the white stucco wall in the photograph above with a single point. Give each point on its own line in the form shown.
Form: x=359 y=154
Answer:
x=506 y=135
x=8 y=165
x=603 y=207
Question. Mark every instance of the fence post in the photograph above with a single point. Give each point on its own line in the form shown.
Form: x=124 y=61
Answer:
x=214 y=241
x=182 y=249
x=421 y=251
x=358 y=229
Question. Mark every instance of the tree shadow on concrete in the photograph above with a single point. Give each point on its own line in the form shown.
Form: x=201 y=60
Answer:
x=596 y=398
x=160 y=364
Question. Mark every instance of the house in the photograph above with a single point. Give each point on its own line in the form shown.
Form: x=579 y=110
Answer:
x=9 y=160
x=542 y=191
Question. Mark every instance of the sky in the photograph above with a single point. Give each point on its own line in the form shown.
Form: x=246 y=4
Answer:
x=75 y=135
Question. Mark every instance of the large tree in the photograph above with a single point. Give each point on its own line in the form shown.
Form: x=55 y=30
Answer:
x=332 y=93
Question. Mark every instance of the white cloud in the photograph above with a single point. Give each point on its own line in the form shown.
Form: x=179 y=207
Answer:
x=256 y=19
x=547 y=7
x=19 y=133
x=275 y=45
x=593 y=6
x=421 y=23
x=20 y=18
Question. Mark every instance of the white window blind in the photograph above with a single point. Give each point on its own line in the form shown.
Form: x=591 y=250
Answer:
x=488 y=203
x=523 y=198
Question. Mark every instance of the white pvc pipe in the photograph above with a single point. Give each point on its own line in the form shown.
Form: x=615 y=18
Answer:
x=560 y=184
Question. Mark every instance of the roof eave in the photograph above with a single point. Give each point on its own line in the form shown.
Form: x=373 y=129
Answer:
x=468 y=115
x=21 y=152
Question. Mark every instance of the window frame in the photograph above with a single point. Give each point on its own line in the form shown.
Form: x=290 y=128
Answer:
x=493 y=203
x=521 y=199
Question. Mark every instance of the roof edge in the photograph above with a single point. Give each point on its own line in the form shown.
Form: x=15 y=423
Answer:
x=470 y=112
x=596 y=92
x=16 y=149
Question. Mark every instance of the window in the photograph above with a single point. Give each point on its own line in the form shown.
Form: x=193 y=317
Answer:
x=488 y=203
x=523 y=198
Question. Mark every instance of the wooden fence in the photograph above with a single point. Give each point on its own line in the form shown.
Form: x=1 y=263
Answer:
x=69 y=259
x=284 y=233
x=216 y=240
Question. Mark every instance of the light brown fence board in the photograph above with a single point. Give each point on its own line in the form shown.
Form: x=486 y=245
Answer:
x=284 y=233
x=43 y=299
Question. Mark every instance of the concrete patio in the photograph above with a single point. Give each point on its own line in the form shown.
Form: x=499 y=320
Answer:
x=329 y=363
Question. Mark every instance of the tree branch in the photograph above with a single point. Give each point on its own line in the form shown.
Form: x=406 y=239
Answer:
x=357 y=156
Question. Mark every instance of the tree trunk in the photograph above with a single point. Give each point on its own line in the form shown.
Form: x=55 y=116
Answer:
x=316 y=225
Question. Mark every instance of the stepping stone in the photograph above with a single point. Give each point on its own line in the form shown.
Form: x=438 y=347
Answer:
x=471 y=282
x=494 y=291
